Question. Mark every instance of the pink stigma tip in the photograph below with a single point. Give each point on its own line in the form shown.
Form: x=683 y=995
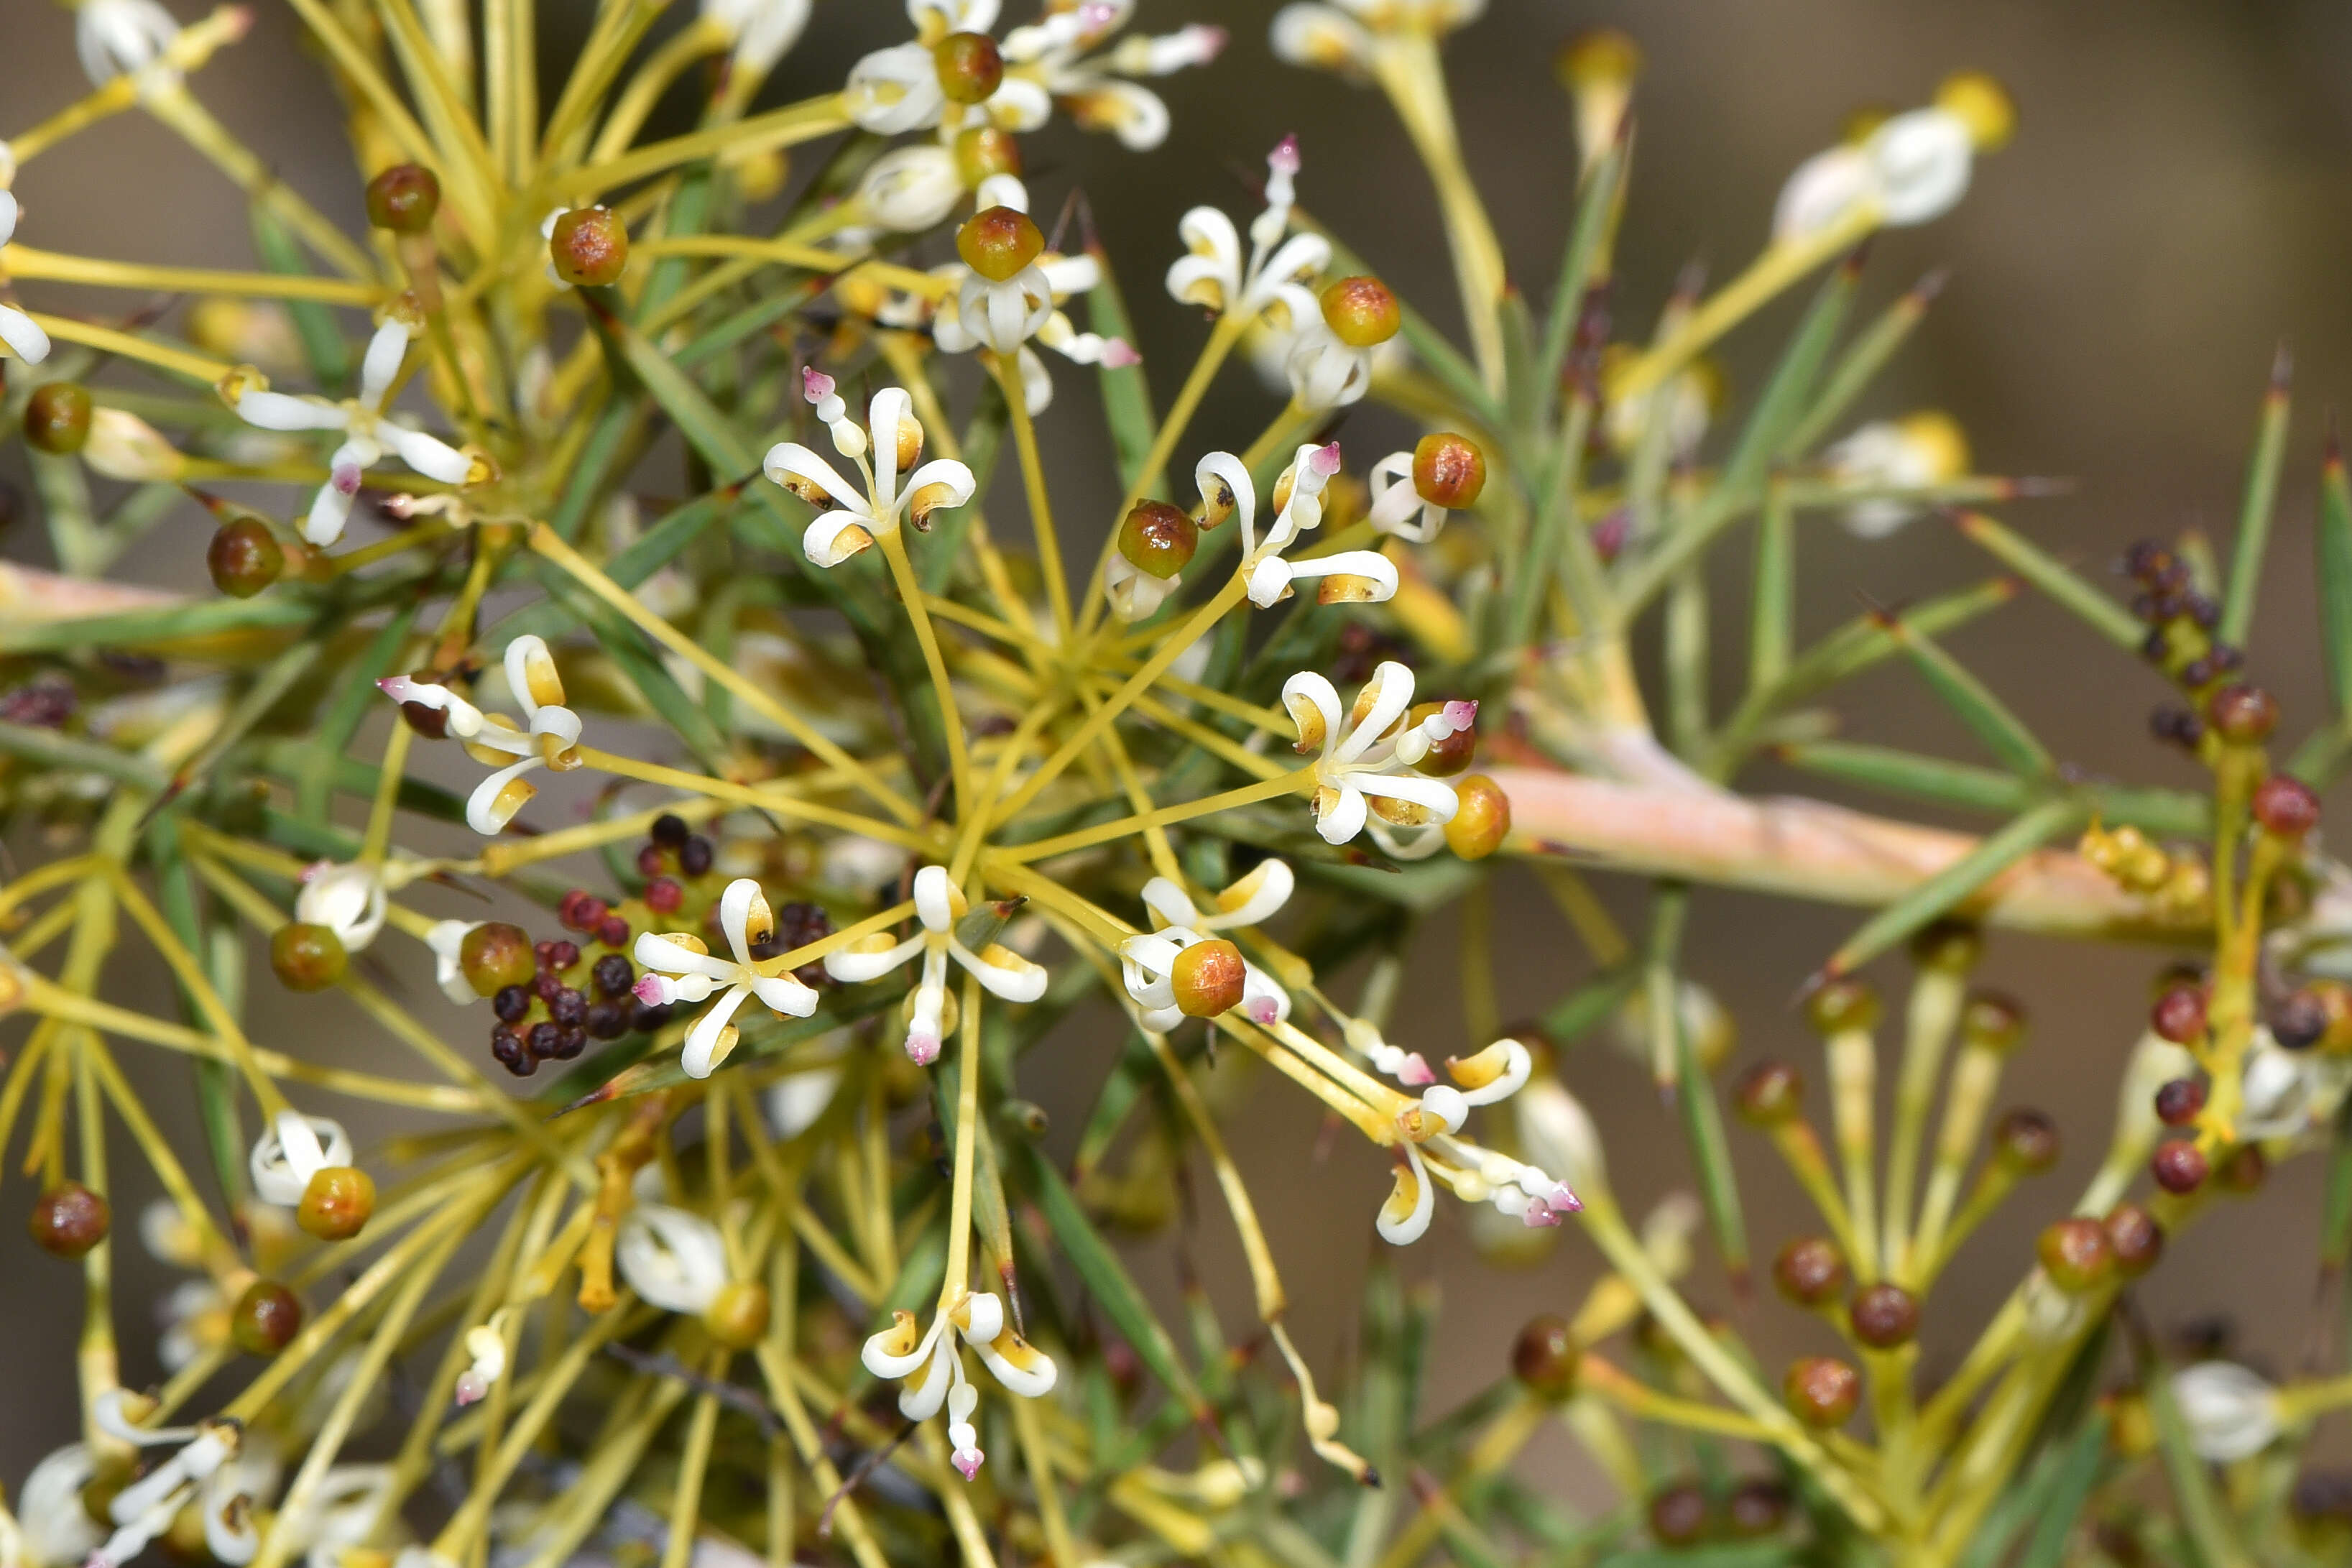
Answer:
x=1209 y=39
x=1538 y=1214
x=1563 y=1201
x=647 y=990
x=345 y=479
x=968 y=1460
x=1284 y=159
x=815 y=385
x=1325 y=459
x=1262 y=1011
x=1461 y=715
x=1416 y=1071
x=1119 y=353
x=922 y=1049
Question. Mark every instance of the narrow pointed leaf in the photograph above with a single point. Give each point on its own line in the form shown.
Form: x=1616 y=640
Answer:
x=1695 y=1095
x=1859 y=365
x=2176 y=814
x=2333 y=541
x=2255 y=514
x=1772 y=616
x=2071 y=1483
x=1988 y=718
x=359 y=697
x=2045 y=571
x=1950 y=888
x=1585 y=256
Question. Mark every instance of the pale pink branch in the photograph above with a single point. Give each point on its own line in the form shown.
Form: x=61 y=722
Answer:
x=1804 y=848
x=27 y=594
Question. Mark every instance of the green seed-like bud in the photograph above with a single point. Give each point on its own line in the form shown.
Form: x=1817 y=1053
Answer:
x=496 y=955
x=998 y=243
x=1361 y=312
x=1771 y=1094
x=969 y=66
x=1953 y=945
x=404 y=198
x=1841 y=1005
x=69 y=1220
x=265 y=1318
x=56 y=417
x=1448 y=471
x=307 y=957
x=1482 y=819
x=1209 y=978
x=1809 y=1271
x=1545 y=1357
x=335 y=1206
x=590 y=247
x=245 y=557
x=2026 y=1141
x=1992 y=1021
x=2075 y=1254
x=1822 y=1391
x=1884 y=1316
x=1158 y=539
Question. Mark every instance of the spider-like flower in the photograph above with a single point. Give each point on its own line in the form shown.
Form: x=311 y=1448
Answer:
x=672 y=1257
x=1360 y=756
x=1004 y=317
x=1215 y=275
x=203 y=1472
x=446 y=941
x=348 y=899
x=681 y=969
x=900 y=88
x=1910 y=169
x=368 y=434
x=293 y=1153
x=929 y=1370
x=1057 y=53
x=1349 y=576
x=912 y=189
x=548 y=737
x=1346 y=36
x=2231 y=1412
x=120 y=37
x=849 y=517
x=1518 y=1189
x=1919 y=449
x=939 y=907
x=53 y=1529
x=1149 y=961
x=1414 y=492
x=762 y=31
x=22 y=335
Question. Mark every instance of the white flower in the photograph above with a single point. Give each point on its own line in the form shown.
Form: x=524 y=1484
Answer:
x=2231 y=1412
x=295 y=1150
x=18 y=330
x=672 y=1257
x=1912 y=169
x=849 y=518
x=202 y=1472
x=929 y=1370
x=1398 y=508
x=339 y=1513
x=348 y=899
x=1147 y=962
x=120 y=37
x=1214 y=274
x=2288 y=1093
x=681 y=969
x=486 y=1346
x=1346 y=34
x=1359 y=755
x=1520 y=1190
x=1052 y=53
x=1350 y=577
x=1004 y=317
x=1325 y=373
x=911 y=189
x=447 y=940
x=54 y=1530
x=1920 y=449
x=548 y=736
x=897 y=89
x=368 y=434
x=940 y=904
x=762 y=30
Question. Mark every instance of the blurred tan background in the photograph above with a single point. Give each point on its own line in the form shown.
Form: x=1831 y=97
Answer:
x=2175 y=204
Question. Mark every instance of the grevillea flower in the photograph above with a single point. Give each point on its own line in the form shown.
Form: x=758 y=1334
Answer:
x=1058 y=54
x=762 y=31
x=348 y=899
x=1003 y=317
x=850 y=516
x=202 y=1472
x=2231 y=1412
x=295 y=1149
x=1919 y=449
x=1216 y=276
x=446 y=938
x=1360 y=766
x=22 y=335
x=681 y=969
x=368 y=434
x=897 y=89
x=940 y=906
x=1521 y=1190
x=120 y=37
x=53 y=1529
x=486 y=1352
x=929 y=1371
x=1910 y=169
x=1148 y=961
x=548 y=737
x=1349 y=576
x=672 y=1257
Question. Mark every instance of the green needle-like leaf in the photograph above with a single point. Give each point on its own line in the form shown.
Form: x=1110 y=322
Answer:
x=323 y=344
x=1952 y=886
x=1859 y=365
x=2045 y=571
x=2261 y=503
x=2332 y=540
x=2174 y=813
x=1590 y=236
x=1988 y=718
x=1772 y=616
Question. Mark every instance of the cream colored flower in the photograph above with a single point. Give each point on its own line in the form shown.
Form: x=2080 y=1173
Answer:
x=548 y=737
x=939 y=905
x=348 y=899
x=681 y=969
x=203 y=1472
x=1359 y=755
x=295 y=1149
x=22 y=335
x=929 y=1370
x=1347 y=36
x=121 y=38
x=1005 y=317
x=2231 y=1412
x=850 y=516
x=672 y=1257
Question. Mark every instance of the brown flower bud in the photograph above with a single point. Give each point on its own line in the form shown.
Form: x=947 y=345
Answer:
x=1678 y=1515
x=2135 y=1238
x=265 y=1318
x=998 y=243
x=245 y=557
x=737 y=1318
x=969 y=66
x=2285 y=806
x=1448 y=471
x=1809 y=1271
x=1843 y=1005
x=589 y=246
x=337 y=1203
x=69 y=1220
x=2299 y=1020
x=1948 y=945
x=1993 y=1021
x=1884 y=1316
x=496 y=955
x=1158 y=539
x=2180 y=1015
x=1759 y=1506
x=1771 y=1093
x=1545 y=1357
x=2178 y=1166
x=307 y=957
x=2075 y=1254
x=2179 y=1101
x=56 y=417
x=1822 y=1391
x=1361 y=312
x=1209 y=977
x=2026 y=1141
x=404 y=198
x=2243 y=715
x=1481 y=821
